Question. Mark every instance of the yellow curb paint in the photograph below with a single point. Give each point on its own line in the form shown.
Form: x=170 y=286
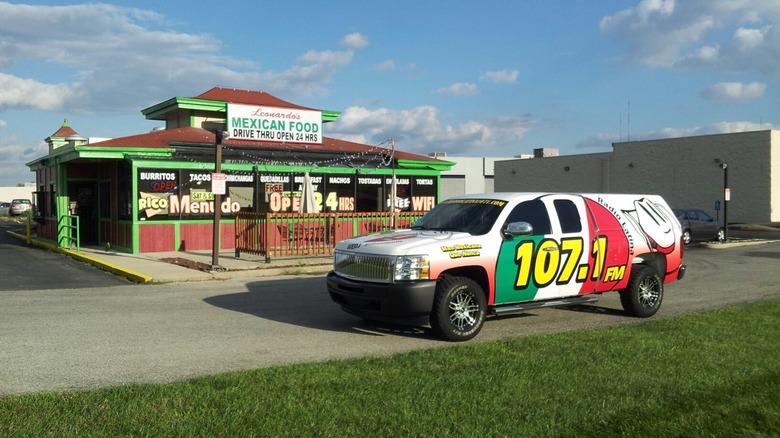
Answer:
x=110 y=267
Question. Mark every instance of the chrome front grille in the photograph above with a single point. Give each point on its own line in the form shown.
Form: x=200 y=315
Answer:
x=364 y=267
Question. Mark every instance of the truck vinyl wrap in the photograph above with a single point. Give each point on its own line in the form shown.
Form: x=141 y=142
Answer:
x=576 y=245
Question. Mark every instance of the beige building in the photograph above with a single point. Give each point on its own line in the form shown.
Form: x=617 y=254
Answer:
x=687 y=171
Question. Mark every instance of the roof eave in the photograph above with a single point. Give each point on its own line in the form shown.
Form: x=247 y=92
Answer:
x=158 y=112
x=121 y=153
x=330 y=116
x=87 y=152
x=426 y=164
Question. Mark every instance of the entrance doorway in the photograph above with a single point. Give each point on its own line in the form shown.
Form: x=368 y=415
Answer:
x=83 y=194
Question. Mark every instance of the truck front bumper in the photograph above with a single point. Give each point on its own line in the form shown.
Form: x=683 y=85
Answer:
x=408 y=303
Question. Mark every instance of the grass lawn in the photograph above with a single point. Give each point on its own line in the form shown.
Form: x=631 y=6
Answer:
x=711 y=374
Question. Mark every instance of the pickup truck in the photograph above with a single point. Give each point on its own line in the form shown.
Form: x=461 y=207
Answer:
x=496 y=253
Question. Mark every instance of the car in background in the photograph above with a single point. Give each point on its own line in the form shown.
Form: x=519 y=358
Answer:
x=699 y=225
x=5 y=208
x=20 y=207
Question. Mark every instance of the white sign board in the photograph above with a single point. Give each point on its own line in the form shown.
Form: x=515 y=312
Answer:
x=218 y=183
x=263 y=123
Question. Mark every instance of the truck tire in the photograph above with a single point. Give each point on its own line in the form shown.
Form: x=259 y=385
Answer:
x=459 y=309
x=644 y=294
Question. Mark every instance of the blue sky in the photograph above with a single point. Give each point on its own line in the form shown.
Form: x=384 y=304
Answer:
x=491 y=78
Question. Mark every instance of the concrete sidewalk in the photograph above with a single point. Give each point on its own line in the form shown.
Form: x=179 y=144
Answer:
x=182 y=266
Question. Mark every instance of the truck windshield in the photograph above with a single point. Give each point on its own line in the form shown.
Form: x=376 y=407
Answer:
x=475 y=218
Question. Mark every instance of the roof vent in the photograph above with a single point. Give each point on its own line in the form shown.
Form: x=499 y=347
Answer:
x=158 y=128
x=546 y=152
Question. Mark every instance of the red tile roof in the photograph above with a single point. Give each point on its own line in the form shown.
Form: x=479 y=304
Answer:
x=248 y=97
x=64 y=131
x=168 y=138
x=159 y=139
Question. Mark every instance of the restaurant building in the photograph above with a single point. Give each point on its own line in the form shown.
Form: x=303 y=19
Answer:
x=156 y=191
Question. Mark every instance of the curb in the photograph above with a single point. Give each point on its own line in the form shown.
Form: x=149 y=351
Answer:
x=137 y=277
x=110 y=267
x=734 y=244
x=756 y=228
x=289 y=271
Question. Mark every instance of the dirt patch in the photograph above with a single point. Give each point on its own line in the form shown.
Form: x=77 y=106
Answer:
x=187 y=263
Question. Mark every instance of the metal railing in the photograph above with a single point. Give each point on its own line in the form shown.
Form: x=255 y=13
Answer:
x=69 y=232
x=296 y=234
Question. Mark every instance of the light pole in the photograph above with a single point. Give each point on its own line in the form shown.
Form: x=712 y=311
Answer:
x=726 y=198
x=219 y=135
x=393 y=185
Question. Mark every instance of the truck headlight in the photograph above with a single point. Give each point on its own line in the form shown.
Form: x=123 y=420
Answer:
x=412 y=268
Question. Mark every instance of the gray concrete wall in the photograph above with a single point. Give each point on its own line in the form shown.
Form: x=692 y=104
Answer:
x=685 y=171
x=682 y=170
x=567 y=173
x=468 y=175
x=452 y=186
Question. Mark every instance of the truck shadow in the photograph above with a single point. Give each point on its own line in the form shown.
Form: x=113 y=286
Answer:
x=304 y=302
x=764 y=254
x=579 y=308
x=590 y=308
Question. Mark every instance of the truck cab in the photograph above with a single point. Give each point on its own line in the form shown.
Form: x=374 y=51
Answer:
x=496 y=253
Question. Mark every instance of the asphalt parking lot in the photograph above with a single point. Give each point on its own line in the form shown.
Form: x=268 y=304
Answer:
x=31 y=268
x=78 y=338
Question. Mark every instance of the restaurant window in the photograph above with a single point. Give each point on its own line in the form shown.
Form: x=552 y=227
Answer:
x=52 y=204
x=124 y=195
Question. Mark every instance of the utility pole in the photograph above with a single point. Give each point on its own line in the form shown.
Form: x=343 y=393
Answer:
x=726 y=199
x=393 y=186
x=219 y=135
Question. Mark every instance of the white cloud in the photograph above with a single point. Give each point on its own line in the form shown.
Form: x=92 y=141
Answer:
x=354 y=41
x=703 y=55
x=459 y=89
x=28 y=93
x=602 y=142
x=715 y=34
x=729 y=127
x=656 y=30
x=122 y=59
x=734 y=91
x=419 y=130
x=747 y=39
x=13 y=157
x=724 y=127
x=500 y=76
x=599 y=141
x=388 y=65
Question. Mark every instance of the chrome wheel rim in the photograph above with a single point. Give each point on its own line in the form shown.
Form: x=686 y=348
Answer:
x=649 y=292
x=463 y=310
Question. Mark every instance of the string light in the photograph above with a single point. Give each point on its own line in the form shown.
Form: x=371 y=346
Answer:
x=372 y=158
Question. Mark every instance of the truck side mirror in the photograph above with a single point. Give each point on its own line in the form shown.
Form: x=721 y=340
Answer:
x=514 y=229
